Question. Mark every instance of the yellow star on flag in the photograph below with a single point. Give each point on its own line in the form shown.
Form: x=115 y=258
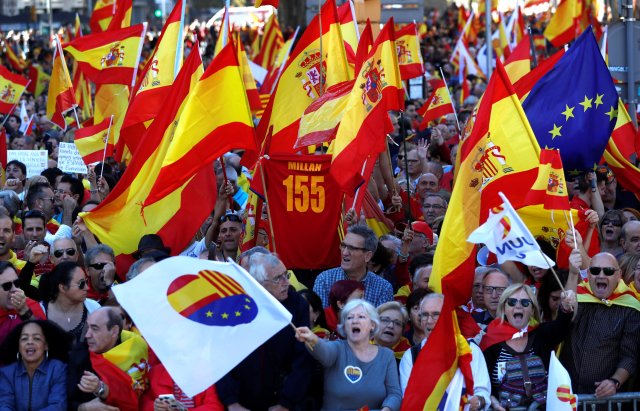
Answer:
x=209 y=314
x=238 y=313
x=247 y=307
x=225 y=315
x=612 y=113
x=586 y=103
x=598 y=101
x=568 y=112
x=556 y=131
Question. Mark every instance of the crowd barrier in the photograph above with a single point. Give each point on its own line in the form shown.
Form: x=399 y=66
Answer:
x=588 y=402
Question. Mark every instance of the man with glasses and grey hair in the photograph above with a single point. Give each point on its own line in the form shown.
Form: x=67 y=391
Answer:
x=601 y=352
x=276 y=375
x=356 y=251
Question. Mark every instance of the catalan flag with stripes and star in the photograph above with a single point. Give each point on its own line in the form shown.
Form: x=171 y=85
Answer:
x=211 y=302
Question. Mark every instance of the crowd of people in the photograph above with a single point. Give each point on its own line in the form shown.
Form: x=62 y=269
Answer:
x=67 y=344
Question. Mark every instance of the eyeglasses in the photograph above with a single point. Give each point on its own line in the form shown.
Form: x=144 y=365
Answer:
x=608 y=271
x=280 y=279
x=351 y=248
x=425 y=316
x=524 y=302
x=68 y=251
x=98 y=266
x=82 y=284
x=386 y=321
x=477 y=286
x=230 y=217
x=615 y=223
x=9 y=284
x=490 y=290
x=434 y=206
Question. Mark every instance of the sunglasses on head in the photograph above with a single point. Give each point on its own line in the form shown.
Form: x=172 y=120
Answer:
x=68 y=251
x=524 y=302
x=608 y=271
x=230 y=217
x=7 y=286
x=98 y=266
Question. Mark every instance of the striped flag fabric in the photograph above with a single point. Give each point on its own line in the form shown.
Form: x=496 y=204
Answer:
x=272 y=42
x=619 y=150
x=409 y=54
x=209 y=301
x=518 y=64
x=39 y=80
x=550 y=188
x=560 y=397
x=91 y=141
x=102 y=15
x=11 y=88
x=437 y=105
x=15 y=61
x=111 y=57
x=61 y=95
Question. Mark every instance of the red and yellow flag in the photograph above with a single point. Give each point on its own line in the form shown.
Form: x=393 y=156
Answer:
x=272 y=42
x=362 y=131
x=93 y=142
x=519 y=62
x=15 y=61
x=61 y=95
x=273 y=3
x=550 y=188
x=216 y=119
x=409 y=55
x=304 y=78
x=565 y=24
x=102 y=15
x=155 y=81
x=249 y=83
x=120 y=219
x=11 y=88
x=349 y=29
x=620 y=148
x=498 y=153
x=437 y=105
x=39 y=80
x=111 y=57
x=122 y=16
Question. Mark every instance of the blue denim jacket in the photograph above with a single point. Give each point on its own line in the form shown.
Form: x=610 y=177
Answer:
x=48 y=390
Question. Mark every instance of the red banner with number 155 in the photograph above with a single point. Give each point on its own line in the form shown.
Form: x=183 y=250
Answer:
x=304 y=206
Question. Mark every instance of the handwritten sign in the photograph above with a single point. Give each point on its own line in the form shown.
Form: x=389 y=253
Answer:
x=69 y=159
x=35 y=160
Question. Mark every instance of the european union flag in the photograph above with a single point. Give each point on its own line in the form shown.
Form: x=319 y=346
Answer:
x=574 y=106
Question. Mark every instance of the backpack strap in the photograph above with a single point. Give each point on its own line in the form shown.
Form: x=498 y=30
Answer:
x=525 y=375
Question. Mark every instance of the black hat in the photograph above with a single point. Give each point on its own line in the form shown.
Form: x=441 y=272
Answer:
x=150 y=242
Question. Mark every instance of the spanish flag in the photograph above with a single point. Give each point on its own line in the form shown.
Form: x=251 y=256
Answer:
x=11 y=88
x=409 y=55
x=111 y=57
x=16 y=62
x=273 y=3
x=518 y=64
x=304 y=78
x=93 y=142
x=122 y=16
x=77 y=27
x=39 y=80
x=155 y=80
x=111 y=100
x=362 y=130
x=224 y=34
x=102 y=15
x=437 y=105
x=508 y=162
x=216 y=119
x=272 y=42
x=565 y=25
x=120 y=219
x=61 y=95
x=550 y=188
x=249 y=83
x=619 y=150
x=349 y=29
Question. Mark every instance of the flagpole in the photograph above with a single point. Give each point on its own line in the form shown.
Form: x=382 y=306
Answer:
x=355 y=197
x=321 y=55
x=266 y=198
x=451 y=100
x=406 y=168
x=75 y=114
x=225 y=180
x=106 y=143
x=534 y=57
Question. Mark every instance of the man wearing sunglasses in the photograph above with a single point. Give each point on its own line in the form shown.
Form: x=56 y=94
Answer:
x=100 y=265
x=64 y=249
x=15 y=307
x=601 y=352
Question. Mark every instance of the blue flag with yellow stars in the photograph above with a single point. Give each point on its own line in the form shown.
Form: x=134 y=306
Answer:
x=574 y=106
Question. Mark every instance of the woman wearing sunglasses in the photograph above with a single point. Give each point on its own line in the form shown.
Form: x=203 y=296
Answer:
x=64 y=292
x=517 y=347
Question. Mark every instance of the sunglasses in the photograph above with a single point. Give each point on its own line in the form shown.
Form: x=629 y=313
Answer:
x=82 y=284
x=9 y=284
x=68 y=251
x=524 y=302
x=608 y=271
x=230 y=217
x=98 y=266
x=615 y=223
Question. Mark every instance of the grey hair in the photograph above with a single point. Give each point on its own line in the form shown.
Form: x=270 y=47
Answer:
x=247 y=254
x=53 y=244
x=93 y=252
x=431 y=296
x=136 y=268
x=369 y=308
x=370 y=238
x=496 y=270
x=444 y=200
x=397 y=243
x=11 y=201
x=259 y=263
x=394 y=305
x=416 y=275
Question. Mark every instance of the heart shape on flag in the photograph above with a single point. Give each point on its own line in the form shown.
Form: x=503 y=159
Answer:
x=353 y=374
